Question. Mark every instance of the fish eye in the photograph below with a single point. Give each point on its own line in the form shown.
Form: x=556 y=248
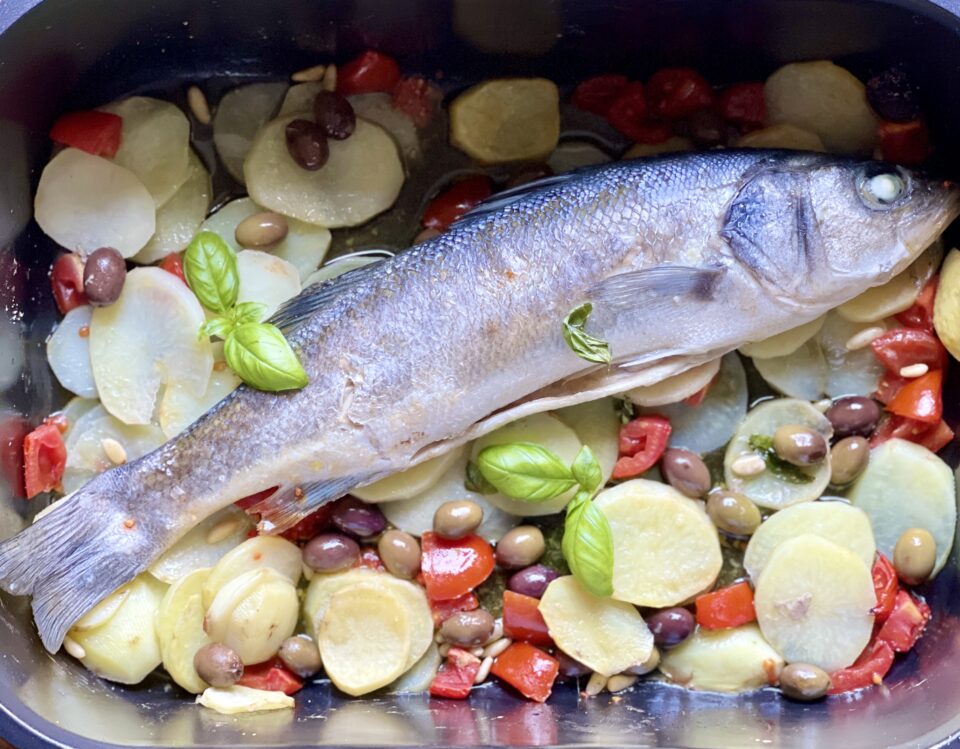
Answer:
x=882 y=189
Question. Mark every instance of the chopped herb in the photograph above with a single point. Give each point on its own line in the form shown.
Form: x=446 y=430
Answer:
x=490 y=592
x=763 y=445
x=582 y=343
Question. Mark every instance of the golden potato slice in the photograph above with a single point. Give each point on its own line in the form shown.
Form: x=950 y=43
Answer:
x=597 y=424
x=409 y=483
x=204 y=545
x=675 y=389
x=364 y=638
x=814 y=600
x=103 y=612
x=782 y=136
x=723 y=660
x=897 y=294
x=180 y=630
x=605 y=635
x=322 y=588
x=946 y=305
x=507 y=119
x=254 y=553
x=673 y=144
x=665 y=549
x=236 y=699
x=420 y=675
x=784 y=343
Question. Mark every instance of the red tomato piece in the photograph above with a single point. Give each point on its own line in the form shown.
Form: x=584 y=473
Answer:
x=253 y=499
x=628 y=114
x=675 y=93
x=597 y=94
x=522 y=619
x=727 y=607
x=868 y=670
x=743 y=105
x=173 y=263
x=889 y=386
x=99 y=133
x=904 y=142
x=642 y=442
x=66 y=278
x=272 y=676
x=313 y=524
x=920 y=315
x=370 y=559
x=417 y=98
x=443 y=610
x=455 y=201
x=453 y=567
x=906 y=622
x=367 y=74
x=44 y=458
x=885 y=586
x=902 y=347
x=920 y=398
x=932 y=436
x=528 y=670
x=455 y=680
x=937 y=438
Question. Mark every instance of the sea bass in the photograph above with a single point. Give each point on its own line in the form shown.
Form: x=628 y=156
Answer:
x=683 y=258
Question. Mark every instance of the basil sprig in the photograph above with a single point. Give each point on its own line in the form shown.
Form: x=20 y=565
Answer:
x=531 y=473
x=255 y=350
x=582 y=343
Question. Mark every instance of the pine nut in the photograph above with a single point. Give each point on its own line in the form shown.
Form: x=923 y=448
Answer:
x=74 y=648
x=485 y=665
x=477 y=651
x=222 y=530
x=444 y=649
x=864 y=338
x=823 y=405
x=914 y=370
x=113 y=450
x=748 y=465
x=198 y=105
x=438 y=638
x=619 y=682
x=496 y=648
x=595 y=685
x=314 y=73
x=330 y=78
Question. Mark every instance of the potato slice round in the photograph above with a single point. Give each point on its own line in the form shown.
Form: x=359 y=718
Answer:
x=155 y=144
x=543 y=429
x=606 y=635
x=195 y=551
x=574 y=154
x=836 y=521
x=411 y=482
x=344 y=263
x=125 y=648
x=673 y=144
x=783 y=343
x=665 y=549
x=299 y=99
x=322 y=588
x=362 y=177
x=84 y=202
x=419 y=677
x=723 y=660
x=782 y=136
x=675 y=389
x=364 y=638
x=266 y=279
x=255 y=553
x=825 y=99
x=767 y=489
x=597 y=424
x=237 y=700
x=907 y=486
x=68 y=352
x=507 y=119
x=103 y=612
x=813 y=602
x=897 y=294
x=179 y=407
x=240 y=114
x=180 y=630
x=378 y=108
x=946 y=305
x=148 y=338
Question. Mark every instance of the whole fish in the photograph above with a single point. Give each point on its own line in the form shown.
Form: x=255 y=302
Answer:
x=683 y=258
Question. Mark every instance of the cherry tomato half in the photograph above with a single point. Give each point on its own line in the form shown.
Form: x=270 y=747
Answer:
x=452 y=568
x=743 y=105
x=455 y=201
x=597 y=94
x=417 y=98
x=66 y=278
x=369 y=73
x=675 y=93
x=99 y=133
x=44 y=458
x=642 y=442
x=902 y=347
x=920 y=399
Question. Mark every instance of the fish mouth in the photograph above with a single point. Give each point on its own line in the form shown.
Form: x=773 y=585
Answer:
x=942 y=208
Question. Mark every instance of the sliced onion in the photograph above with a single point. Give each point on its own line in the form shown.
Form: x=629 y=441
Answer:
x=68 y=352
x=240 y=114
x=266 y=279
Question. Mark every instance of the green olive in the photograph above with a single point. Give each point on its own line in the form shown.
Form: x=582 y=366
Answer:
x=218 y=665
x=400 y=553
x=733 y=513
x=848 y=458
x=301 y=655
x=520 y=547
x=457 y=519
x=915 y=556
x=799 y=445
x=801 y=681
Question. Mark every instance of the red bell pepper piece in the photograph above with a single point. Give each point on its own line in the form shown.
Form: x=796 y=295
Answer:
x=66 y=278
x=456 y=678
x=868 y=670
x=454 y=567
x=727 y=607
x=173 y=263
x=597 y=94
x=44 y=458
x=885 y=586
x=904 y=142
x=271 y=676
x=522 y=619
x=902 y=347
x=642 y=442
x=743 y=105
x=920 y=399
x=99 y=133
x=443 y=610
x=528 y=670
x=675 y=93
x=455 y=201
x=628 y=114
x=934 y=437
x=906 y=622
x=889 y=386
x=369 y=73
x=417 y=98
x=920 y=315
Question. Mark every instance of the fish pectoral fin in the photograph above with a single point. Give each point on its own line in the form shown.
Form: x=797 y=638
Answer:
x=660 y=284
x=291 y=503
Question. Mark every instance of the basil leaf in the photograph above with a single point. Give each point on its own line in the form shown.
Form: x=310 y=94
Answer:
x=780 y=468
x=210 y=266
x=589 y=551
x=574 y=506
x=262 y=358
x=586 y=470
x=475 y=482
x=248 y=312
x=218 y=326
x=526 y=471
x=583 y=344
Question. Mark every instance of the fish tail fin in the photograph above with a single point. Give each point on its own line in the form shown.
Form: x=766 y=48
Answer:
x=290 y=504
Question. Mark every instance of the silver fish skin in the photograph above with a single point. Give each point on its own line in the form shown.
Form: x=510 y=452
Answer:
x=684 y=258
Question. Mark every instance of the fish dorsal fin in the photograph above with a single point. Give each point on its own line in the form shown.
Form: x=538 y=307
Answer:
x=288 y=505
x=513 y=195
x=663 y=282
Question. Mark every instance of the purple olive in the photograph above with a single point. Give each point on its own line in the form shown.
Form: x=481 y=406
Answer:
x=307 y=144
x=357 y=518
x=853 y=416
x=670 y=627
x=330 y=552
x=103 y=276
x=570 y=668
x=893 y=96
x=532 y=581
x=334 y=115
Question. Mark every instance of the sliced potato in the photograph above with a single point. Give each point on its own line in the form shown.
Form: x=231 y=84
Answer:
x=84 y=202
x=240 y=114
x=507 y=119
x=677 y=388
x=574 y=154
x=814 y=600
x=199 y=549
x=845 y=525
x=418 y=679
x=75 y=408
x=180 y=630
x=897 y=294
x=103 y=612
x=597 y=424
x=364 y=638
x=673 y=144
x=125 y=648
x=236 y=699
x=344 y=263
x=322 y=588
x=543 y=429
x=362 y=177
x=255 y=553
x=606 y=635
x=179 y=408
x=179 y=218
x=784 y=343
x=767 y=489
x=68 y=352
x=723 y=660
x=907 y=486
x=155 y=144
x=782 y=136
x=378 y=108
x=411 y=482
x=665 y=549
x=146 y=339
x=266 y=279
x=825 y=99
x=299 y=99
x=946 y=305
